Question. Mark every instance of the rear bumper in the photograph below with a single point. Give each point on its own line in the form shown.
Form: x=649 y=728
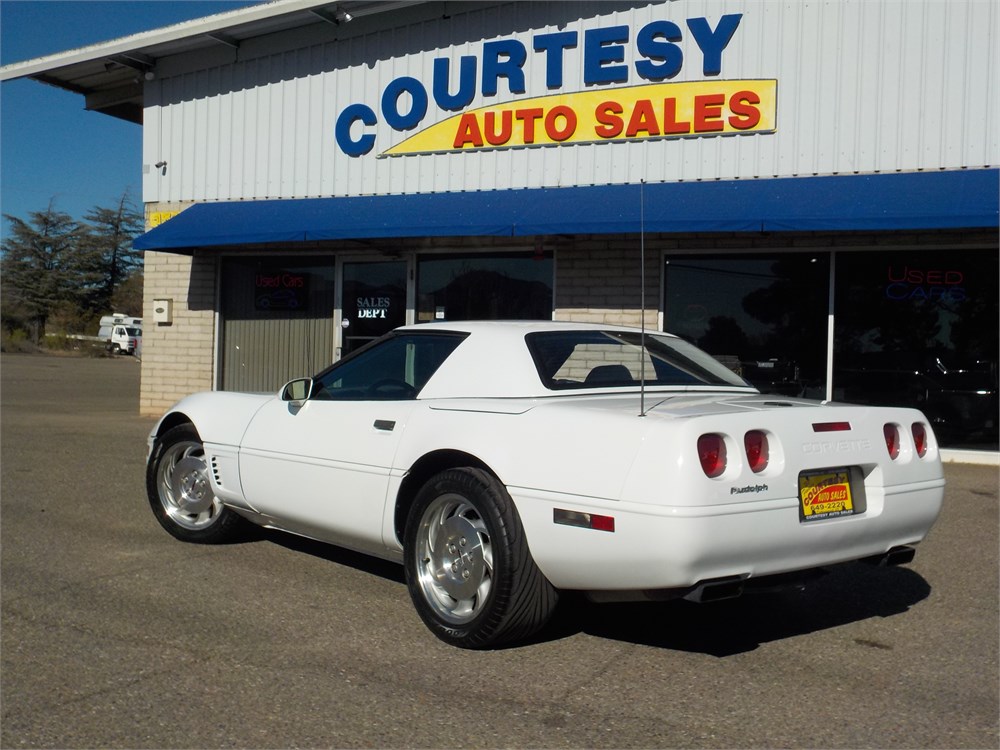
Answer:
x=667 y=547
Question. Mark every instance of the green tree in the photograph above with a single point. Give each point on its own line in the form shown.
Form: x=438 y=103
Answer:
x=39 y=269
x=107 y=260
x=128 y=296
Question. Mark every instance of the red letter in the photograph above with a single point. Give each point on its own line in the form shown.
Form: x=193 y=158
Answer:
x=611 y=124
x=528 y=117
x=670 y=124
x=489 y=125
x=550 y=123
x=708 y=113
x=468 y=132
x=745 y=115
x=642 y=120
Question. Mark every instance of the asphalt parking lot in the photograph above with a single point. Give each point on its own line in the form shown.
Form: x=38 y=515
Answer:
x=116 y=635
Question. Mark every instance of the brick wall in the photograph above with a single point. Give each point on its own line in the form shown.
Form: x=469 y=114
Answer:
x=177 y=358
x=599 y=281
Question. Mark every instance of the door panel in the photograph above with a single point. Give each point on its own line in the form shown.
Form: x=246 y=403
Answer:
x=322 y=467
x=325 y=466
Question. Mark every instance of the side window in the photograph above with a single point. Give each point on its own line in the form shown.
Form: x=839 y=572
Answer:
x=393 y=369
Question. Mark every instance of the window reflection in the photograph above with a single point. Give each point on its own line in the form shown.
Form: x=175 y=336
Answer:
x=920 y=329
x=763 y=316
x=485 y=287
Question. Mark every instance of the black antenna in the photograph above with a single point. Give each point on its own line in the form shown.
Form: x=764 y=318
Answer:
x=642 y=298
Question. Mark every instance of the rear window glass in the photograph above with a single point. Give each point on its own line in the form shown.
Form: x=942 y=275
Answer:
x=616 y=359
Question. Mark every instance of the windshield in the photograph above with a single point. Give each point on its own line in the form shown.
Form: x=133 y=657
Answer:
x=136 y=332
x=610 y=359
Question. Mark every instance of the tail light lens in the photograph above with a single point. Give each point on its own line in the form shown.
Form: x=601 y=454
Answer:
x=756 y=446
x=712 y=454
x=891 y=433
x=919 y=439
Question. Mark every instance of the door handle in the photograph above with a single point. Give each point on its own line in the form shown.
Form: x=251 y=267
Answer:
x=386 y=425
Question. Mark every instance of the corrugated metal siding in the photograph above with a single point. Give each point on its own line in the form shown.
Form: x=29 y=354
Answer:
x=863 y=86
x=262 y=350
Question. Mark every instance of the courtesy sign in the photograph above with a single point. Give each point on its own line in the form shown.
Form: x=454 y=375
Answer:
x=628 y=92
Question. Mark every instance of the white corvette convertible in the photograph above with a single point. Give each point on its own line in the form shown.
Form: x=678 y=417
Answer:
x=503 y=462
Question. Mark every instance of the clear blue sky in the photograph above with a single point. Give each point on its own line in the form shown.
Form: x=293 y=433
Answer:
x=50 y=147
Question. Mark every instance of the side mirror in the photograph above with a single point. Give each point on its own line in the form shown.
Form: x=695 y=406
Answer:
x=297 y=391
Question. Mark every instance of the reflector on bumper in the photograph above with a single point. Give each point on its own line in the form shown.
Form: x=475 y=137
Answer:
x=583 y=520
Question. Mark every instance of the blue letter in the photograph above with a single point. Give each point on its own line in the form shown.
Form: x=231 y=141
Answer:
x=604 y=46
x=713 y=42
x=511 y=68
x=466 y=83
x=553 y=45
x=655 y=42
x=390 y=100
x=348 y=117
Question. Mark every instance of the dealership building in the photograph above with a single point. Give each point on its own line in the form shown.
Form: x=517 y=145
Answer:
x=808 y=191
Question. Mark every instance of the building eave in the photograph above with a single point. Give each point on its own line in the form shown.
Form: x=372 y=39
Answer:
x=104 y=72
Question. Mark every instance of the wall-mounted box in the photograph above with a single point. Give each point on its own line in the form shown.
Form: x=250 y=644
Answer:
x=163 y=311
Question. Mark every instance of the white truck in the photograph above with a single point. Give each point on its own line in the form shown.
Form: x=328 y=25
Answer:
x=121 y=333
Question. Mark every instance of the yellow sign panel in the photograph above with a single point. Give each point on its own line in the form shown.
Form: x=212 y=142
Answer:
x=661 y=110
x=158 y=217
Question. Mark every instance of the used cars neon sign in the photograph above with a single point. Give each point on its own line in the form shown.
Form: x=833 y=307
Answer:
x=639 y=112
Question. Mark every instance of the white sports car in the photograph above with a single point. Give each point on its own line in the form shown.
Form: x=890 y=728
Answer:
x=502 y=462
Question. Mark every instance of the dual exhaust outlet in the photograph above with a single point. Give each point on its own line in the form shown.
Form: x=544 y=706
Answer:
x=731 y=587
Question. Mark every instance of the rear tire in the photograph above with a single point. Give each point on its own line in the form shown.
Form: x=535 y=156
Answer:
x=468 y=567
x=180 y=491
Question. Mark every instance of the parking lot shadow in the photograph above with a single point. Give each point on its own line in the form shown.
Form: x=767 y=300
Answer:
x=849 y=593
x=390 y=571
x=852 y=592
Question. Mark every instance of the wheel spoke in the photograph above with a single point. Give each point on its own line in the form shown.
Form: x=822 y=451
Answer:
x=184 y=486
x=453 y=558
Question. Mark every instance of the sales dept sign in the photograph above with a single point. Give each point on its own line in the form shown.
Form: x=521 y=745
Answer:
x=621 y=102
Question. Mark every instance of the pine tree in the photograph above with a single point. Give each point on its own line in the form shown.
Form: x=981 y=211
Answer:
x=39 y=268
x=107 y=259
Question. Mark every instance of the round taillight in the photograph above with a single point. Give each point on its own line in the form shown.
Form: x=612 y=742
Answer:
x=891 y=433
x=919 y=439
x=712 y=454
x=755 y=443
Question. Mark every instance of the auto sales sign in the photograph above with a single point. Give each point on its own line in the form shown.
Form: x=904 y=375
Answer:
x=620 y=101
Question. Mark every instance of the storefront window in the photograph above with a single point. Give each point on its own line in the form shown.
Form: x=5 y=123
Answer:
x=765 y=317
x=919 y=328
x=485 y=287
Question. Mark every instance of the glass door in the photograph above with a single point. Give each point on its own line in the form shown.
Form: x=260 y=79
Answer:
x=374 y=301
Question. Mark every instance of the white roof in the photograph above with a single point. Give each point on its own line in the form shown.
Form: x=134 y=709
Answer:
x=106 y=73
x=494 y=361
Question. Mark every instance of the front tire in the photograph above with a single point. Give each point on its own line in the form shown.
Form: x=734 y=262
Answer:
x=468 y=567
x=180 y=491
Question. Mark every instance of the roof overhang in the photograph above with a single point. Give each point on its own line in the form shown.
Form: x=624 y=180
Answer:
x=110 y=75
x=964 y=199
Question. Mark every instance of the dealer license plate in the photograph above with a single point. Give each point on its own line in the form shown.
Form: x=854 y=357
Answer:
x=825 y=494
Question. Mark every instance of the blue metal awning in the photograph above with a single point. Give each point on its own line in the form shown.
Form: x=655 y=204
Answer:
x=904 y=201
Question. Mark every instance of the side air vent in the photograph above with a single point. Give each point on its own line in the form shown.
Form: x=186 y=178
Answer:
x=215 y=471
